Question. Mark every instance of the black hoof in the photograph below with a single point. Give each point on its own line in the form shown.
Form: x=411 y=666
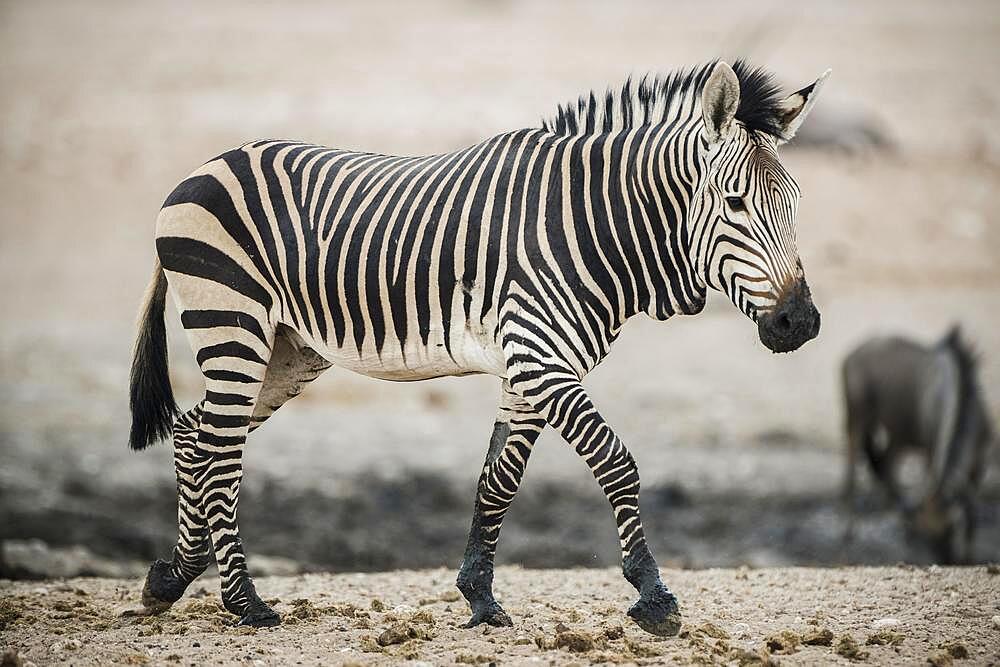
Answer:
x=259 y=615
x=657 y=613
x=162 y=588
x=490 y=614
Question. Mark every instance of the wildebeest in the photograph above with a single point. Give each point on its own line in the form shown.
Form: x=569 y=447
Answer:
x=902 y=398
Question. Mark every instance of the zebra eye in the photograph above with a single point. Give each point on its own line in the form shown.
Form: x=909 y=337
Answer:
x=736 y=203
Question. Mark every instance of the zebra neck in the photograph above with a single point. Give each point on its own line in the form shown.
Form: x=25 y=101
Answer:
x=628 y=199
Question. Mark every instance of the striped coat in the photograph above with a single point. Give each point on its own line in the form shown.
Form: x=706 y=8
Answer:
x=521 y=257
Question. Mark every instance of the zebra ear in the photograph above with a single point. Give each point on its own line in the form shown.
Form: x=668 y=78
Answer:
x=793 y=109
x=719 y=100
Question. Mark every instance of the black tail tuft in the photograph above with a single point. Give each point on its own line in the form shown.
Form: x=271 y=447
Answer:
x=150 y=396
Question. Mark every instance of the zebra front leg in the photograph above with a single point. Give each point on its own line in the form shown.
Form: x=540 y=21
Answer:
x=167 y=581
x=514 y=433
x=559 y=396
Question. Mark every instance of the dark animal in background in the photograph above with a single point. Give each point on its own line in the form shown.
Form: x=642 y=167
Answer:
x=902 y=398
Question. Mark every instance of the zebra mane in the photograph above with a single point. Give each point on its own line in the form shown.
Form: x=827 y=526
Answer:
x=653 y=98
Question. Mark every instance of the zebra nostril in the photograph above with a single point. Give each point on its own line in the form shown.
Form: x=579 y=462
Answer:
x=782 y=323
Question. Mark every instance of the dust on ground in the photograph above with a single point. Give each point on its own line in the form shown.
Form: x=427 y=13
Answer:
x=798 y=616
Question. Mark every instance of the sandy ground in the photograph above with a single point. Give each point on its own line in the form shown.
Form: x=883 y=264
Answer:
x=798 y=616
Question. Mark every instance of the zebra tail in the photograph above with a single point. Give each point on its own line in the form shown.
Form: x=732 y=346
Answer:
x=151 y=398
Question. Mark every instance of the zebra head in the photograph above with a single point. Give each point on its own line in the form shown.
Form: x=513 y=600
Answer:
x=743 y=215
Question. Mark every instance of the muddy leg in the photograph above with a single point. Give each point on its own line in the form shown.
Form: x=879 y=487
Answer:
x=167 y=581
x=559 y=396
x=516 y=429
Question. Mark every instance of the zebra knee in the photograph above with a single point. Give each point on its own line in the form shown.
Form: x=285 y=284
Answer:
x=618 y=475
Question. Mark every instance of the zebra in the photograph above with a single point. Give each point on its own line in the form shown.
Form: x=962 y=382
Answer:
x=521 y=257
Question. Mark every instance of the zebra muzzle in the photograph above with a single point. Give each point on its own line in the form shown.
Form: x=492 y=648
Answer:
x=793 y=321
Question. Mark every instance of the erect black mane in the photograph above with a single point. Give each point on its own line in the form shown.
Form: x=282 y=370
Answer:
x=651 y=100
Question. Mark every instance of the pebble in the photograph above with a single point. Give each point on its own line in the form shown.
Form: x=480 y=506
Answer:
x=741 y=630
x=884 y=623
x=996 y=622
x=68 y=645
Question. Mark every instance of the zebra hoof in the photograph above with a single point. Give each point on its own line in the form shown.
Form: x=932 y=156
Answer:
x=162 y=588
x=259 y=615
x=491 y=614
x=657 y=614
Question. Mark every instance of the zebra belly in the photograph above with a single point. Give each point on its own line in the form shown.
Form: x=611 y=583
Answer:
x=468 y=353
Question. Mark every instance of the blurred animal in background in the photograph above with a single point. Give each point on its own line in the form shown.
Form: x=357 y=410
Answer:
x=903 y=398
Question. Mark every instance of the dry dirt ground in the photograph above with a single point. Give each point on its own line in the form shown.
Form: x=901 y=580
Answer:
x=109 y=104
x=798 y=616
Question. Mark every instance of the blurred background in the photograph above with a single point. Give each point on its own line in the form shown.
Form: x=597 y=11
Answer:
x=107 y=105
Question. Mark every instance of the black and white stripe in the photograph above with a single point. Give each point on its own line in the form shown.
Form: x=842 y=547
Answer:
x=522 y=257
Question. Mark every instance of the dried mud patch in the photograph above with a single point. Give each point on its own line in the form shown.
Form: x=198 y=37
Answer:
x=423 y=519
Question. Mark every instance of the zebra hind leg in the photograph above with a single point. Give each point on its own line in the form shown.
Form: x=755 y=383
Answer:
x=516 y=429
x=167 y=581
x=234 y=362
x=291 y=366
x=223 y=431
